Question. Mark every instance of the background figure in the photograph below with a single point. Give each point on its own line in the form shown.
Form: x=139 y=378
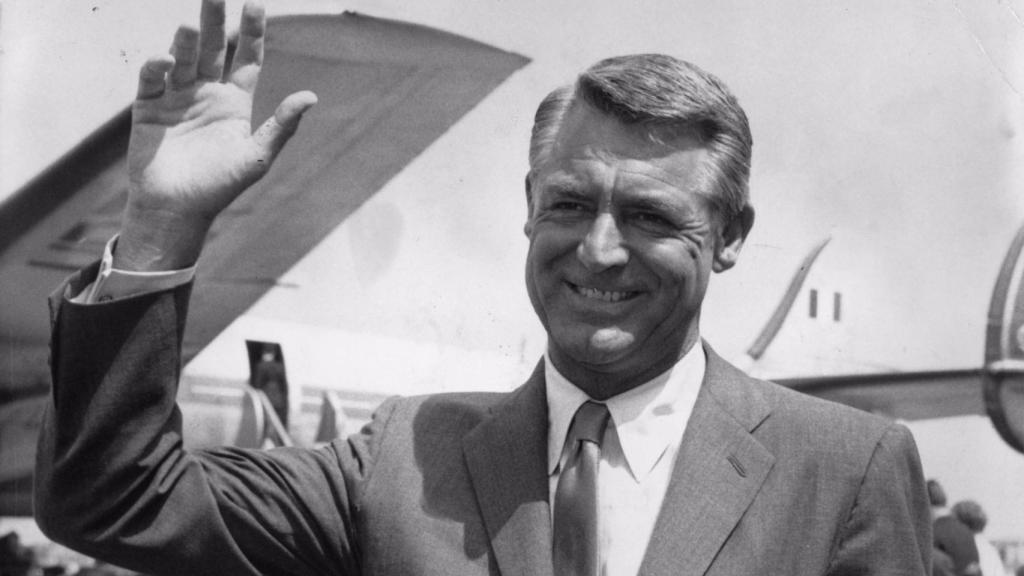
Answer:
x=15 y=559
x=951 y=537
x=971 y=514
x=268 y=375
x=942 y=564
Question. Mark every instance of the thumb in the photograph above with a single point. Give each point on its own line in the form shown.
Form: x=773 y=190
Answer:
x=275 y=132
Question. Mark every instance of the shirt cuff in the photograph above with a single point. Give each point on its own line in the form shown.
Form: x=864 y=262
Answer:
x=113 y=284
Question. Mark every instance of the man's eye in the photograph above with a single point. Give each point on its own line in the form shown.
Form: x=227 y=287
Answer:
x=652 y=219
x=568 y=205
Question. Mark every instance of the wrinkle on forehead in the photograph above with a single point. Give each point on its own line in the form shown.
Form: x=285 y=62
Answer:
x=624 y=142
x=589 y=166
x=640 y=140
x=593 y=149
x=589 y=136
x=631 y=172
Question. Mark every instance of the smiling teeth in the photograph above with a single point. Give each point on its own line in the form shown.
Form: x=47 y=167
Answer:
x=596 y=294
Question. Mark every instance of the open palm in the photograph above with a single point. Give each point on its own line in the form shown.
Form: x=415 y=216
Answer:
x=192 y=148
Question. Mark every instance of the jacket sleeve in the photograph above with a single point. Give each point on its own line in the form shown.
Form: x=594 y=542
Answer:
x=114 y=482
x=888 y=531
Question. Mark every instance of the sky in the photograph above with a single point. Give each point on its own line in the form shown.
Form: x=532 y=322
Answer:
x=892 y=128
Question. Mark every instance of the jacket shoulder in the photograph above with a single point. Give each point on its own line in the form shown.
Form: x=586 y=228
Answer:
x=439 y=419
x=793 y=420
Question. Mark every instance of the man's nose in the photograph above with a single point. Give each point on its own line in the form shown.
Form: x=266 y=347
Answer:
x=603 y=246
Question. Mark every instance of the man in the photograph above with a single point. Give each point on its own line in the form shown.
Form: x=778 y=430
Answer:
x=633 y=448
x=952 y=538
x=973 y=516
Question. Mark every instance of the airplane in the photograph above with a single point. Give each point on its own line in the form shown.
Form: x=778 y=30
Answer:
x=376 y=255
x=388 y=100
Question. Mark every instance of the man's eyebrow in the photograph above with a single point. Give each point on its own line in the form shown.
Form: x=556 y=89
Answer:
x=562 y=179
x=564 y=186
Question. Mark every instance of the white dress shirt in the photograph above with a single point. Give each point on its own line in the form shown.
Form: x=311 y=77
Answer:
x=637 y=454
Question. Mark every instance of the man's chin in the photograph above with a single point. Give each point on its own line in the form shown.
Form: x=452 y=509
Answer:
x=611 y=342
x=600 y=348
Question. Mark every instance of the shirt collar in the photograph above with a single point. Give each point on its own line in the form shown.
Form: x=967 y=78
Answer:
x=648 y=419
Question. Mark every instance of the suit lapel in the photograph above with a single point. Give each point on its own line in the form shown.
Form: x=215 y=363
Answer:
x=718 y=471
x=507 y=460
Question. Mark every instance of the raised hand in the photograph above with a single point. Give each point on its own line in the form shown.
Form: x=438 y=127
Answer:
x=192 y=149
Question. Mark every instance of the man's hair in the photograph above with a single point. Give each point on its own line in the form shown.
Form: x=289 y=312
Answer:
x=664 y=96
x=971 y=514
x=936 y=495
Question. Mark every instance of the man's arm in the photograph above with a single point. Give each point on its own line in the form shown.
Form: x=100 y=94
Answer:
x=112 y=478
x=888 y=531
x=113 y=481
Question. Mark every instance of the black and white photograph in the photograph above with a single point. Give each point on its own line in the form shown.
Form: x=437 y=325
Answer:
x=526 y=288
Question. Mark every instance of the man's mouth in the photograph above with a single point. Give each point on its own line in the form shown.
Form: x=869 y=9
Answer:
x=602 y=295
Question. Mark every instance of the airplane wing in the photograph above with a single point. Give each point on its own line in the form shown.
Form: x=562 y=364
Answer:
x=901 y=395
x=387 y=90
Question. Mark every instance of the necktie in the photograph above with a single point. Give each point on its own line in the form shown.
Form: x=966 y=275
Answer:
x=575 y=531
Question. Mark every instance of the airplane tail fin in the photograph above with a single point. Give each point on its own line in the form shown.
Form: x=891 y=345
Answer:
x=774 y=324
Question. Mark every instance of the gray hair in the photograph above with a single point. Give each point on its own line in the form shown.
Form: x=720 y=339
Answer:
x=662 y=95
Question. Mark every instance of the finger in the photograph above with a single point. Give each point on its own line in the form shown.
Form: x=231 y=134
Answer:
x=152 y=77
x=275 y=132
x=245 y=66
x=186 y=43
x=211 y=41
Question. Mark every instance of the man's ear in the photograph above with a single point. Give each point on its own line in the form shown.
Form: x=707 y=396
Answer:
x=731 y=238
x=528 y=226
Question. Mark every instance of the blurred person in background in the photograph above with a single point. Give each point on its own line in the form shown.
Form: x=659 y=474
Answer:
x=16 y=559
x=951 y=537
x=972 y=515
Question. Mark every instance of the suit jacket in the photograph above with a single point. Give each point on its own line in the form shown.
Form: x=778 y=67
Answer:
x=767 y=481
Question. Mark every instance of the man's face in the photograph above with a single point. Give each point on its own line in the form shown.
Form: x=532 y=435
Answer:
x=622 y=243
